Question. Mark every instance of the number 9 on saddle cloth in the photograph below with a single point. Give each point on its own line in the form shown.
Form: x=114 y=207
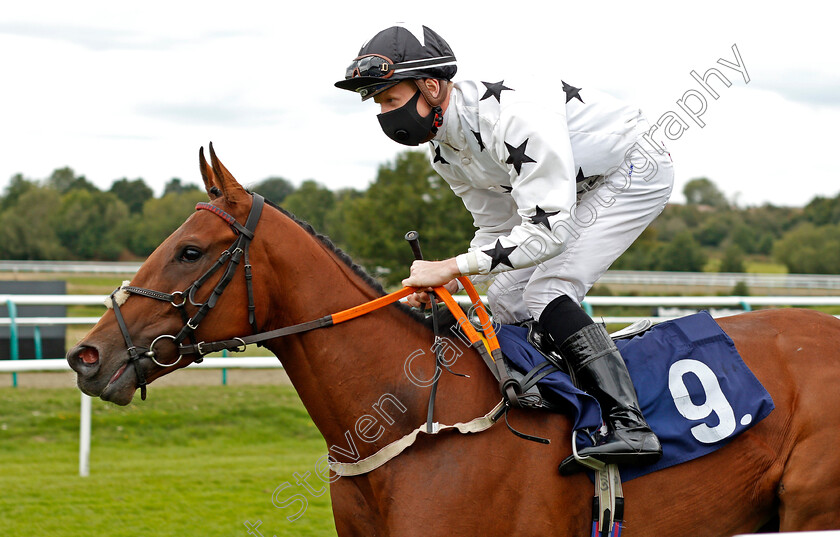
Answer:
x=694 y=389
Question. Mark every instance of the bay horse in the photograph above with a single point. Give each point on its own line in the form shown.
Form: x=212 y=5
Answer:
x=784 y=471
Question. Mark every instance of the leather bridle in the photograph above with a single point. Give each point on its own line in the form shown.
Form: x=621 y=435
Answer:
x=238 y=251
x=231 y=257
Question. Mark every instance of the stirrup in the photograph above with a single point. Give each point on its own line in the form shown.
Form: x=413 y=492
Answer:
x=587 y=462
x=608 y=502
x=575 y=463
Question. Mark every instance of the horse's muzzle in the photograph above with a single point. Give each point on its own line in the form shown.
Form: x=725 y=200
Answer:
x=84 y=360
x=94 y=377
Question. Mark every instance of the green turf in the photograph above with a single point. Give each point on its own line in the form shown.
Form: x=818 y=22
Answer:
x=189 y=461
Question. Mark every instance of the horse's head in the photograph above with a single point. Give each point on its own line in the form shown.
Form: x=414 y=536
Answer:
x=176 y=296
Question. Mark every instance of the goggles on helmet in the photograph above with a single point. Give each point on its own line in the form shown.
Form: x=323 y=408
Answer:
x=378 y=66
x=370 y=65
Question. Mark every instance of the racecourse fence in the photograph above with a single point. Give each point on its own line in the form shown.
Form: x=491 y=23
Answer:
x=667 y=307
x=722 y=279
x=612 y=277
x=662 y=308
x=69 y=267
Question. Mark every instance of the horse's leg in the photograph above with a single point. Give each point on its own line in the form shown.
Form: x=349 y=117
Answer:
x=809 y=493
x=354 y=515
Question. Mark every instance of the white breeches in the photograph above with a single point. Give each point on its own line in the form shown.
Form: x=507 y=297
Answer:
x=609 y=216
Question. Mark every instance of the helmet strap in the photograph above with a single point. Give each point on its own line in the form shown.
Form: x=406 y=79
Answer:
x=434 y=102
x=424 y=90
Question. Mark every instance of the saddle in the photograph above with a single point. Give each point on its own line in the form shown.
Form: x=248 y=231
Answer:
x=679 y=360
x=608 y=501
x=533 y=394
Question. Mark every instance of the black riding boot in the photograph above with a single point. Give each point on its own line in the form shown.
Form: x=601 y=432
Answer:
x=598 y=368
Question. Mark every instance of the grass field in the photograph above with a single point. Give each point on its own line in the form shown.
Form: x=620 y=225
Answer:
x=189 y=461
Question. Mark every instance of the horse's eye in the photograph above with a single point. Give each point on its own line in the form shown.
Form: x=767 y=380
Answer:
x=191 y=254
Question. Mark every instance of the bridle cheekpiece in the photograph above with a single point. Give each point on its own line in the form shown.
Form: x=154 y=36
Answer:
x=230 y=259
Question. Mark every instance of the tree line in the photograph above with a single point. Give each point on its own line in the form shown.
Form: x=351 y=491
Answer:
x=710 y=231
x=66 y=217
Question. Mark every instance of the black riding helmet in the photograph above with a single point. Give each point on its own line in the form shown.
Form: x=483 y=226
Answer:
x=396 y=54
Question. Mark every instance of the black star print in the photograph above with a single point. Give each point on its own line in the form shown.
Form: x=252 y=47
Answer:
x=571 y=92
x=542 y=217
x=500 y=254
x=580 y=177
x=478 y=138
x=439 y=158
x=494 y=89
x=517 y=155
x=507 y=188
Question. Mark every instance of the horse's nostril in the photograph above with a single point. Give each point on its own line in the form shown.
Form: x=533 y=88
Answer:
x=89 y=355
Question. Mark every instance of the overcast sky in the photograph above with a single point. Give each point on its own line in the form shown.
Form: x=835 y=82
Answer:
x=133 y=89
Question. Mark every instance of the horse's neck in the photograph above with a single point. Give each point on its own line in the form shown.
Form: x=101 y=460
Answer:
x=348 y=371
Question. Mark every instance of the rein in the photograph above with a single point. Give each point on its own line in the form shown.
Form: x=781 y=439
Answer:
x=486 y=345
x=238 y=251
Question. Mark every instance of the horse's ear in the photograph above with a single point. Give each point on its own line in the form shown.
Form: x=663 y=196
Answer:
x=208 y=176
x=232 y=191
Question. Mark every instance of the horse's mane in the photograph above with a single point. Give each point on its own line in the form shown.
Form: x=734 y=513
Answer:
x=357 y=269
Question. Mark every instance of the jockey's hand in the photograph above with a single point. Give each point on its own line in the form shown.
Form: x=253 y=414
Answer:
x=428 y=274
x=432 y=273
x=421 y=298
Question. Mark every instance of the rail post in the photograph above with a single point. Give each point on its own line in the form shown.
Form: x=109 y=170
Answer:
x=36 y=338
x=224 y=369
x=13 y=337
x=84 y=436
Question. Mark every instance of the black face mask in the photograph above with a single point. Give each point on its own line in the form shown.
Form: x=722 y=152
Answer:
x=405 y=126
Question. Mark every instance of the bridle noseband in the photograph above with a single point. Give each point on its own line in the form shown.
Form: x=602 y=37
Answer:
x=238 y=251
x=231 y=257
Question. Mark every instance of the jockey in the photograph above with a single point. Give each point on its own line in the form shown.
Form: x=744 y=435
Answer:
x=558 y=188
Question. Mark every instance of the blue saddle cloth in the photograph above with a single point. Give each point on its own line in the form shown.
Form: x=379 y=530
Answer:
x=695 y=391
